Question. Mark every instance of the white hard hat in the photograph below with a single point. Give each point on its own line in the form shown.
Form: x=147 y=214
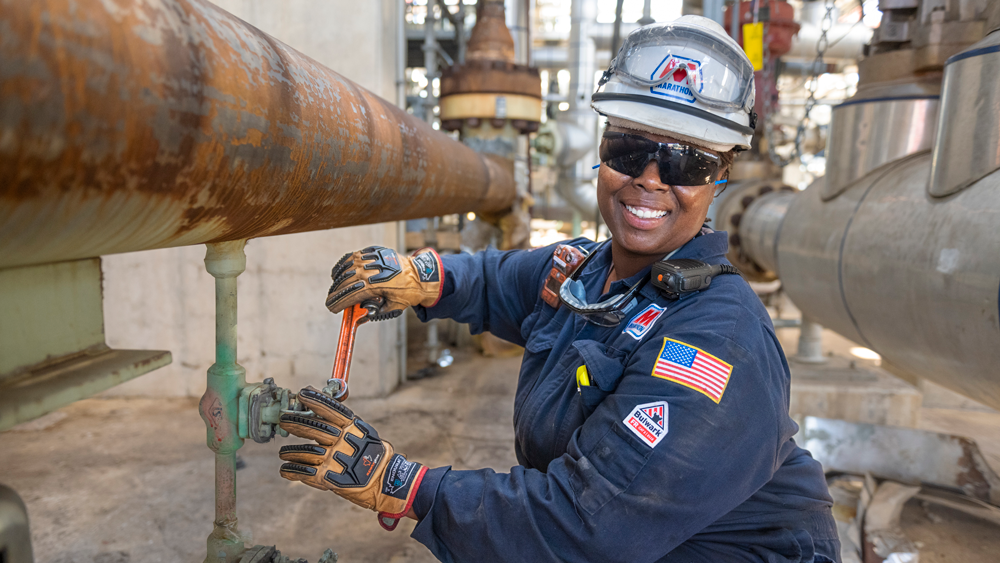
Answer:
x=686 y=79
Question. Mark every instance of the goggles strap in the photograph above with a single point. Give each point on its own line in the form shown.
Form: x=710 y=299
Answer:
x=607 y=75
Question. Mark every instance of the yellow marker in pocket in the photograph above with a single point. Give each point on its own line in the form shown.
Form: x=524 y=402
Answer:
x=582 y=377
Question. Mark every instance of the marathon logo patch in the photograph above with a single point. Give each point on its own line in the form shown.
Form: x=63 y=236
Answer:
x=427 y=267
x=398 y=477
x=644 y=321
x=648 y=422
x=677 y=71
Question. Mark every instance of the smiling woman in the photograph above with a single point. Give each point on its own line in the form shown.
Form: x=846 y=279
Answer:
x=649 y=426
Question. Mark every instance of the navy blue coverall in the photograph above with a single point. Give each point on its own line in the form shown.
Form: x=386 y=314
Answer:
x=720 y=482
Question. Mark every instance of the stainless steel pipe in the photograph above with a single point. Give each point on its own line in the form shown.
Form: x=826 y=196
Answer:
x=142 y=124
x=761 y=225
x=905 y=269
x=915 y=278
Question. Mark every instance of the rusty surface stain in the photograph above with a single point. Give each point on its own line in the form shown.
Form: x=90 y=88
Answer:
x=129 y=125
x=970 y=474
x=490 y=39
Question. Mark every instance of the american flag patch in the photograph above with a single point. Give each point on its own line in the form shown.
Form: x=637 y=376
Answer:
x=692 y=367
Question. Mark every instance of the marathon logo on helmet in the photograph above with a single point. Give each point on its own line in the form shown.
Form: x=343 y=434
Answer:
x=677 y=70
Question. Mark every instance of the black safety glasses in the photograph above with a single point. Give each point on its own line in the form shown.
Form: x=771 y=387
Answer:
x=607 y=313
x=680 y=164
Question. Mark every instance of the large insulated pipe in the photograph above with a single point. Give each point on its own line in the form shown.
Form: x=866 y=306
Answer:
x=761 y=226
x=891 y=265
x=142 y=124
x=913 y=278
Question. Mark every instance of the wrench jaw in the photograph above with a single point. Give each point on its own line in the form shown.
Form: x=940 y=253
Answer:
x=336 y=388
x=261 y=404
x=373 y=307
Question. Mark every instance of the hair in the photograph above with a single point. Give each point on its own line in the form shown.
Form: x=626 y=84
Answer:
x=727 y=159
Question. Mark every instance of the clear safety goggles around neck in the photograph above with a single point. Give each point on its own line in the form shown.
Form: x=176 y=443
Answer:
x=719 y=76
x=607 y=313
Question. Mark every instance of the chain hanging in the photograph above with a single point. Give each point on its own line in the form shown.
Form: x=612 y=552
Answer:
x=821 y=46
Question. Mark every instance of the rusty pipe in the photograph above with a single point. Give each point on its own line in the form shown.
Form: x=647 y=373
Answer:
x=135 y=124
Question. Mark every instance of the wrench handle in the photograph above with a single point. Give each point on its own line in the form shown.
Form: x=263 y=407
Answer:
x=353 y=318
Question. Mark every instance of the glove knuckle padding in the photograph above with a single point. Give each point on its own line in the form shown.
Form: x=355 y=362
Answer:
x=335 y=298
x=342 y=265
x=306 y=454
x=386 y=262
x=295 y=469
x=339 y=280
x=326 y=407
x=377 y=271
x=309 y=427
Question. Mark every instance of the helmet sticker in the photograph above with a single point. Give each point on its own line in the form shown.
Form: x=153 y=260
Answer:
x=680 y=74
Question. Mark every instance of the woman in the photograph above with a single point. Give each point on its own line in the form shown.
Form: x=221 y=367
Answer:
x=650 y=425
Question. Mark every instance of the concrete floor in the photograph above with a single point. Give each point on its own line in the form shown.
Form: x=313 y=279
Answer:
x=130 y=480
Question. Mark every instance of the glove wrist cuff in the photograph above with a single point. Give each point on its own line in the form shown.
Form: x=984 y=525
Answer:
x=430 y=274
x=388 y=520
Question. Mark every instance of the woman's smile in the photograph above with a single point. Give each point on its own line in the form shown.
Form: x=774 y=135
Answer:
x=647 y=218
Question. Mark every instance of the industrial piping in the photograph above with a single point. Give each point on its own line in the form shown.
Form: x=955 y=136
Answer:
x=903 y=259
x=575 y=183
x=135 y=125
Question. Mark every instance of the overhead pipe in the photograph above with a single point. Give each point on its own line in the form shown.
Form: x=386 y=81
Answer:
x=576 y=179
x=135 y=125
x=458 y=22
x=431 y=52
x=647 y=11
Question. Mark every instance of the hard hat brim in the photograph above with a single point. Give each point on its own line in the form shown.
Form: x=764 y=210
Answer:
x=711 y=135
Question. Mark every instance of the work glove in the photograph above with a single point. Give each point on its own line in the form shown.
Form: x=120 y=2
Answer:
x=348 y=458
x=377 y=271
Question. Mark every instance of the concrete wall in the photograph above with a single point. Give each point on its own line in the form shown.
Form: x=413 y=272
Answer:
x=164 y=299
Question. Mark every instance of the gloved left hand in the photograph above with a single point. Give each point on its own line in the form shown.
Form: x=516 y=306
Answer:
x=349 y=459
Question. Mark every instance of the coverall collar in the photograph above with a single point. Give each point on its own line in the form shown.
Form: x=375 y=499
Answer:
x=710 y=247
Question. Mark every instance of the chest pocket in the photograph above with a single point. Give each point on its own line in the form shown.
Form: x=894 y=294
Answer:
x=605 y=366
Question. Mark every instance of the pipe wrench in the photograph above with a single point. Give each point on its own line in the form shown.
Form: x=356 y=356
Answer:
x=366 y=311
